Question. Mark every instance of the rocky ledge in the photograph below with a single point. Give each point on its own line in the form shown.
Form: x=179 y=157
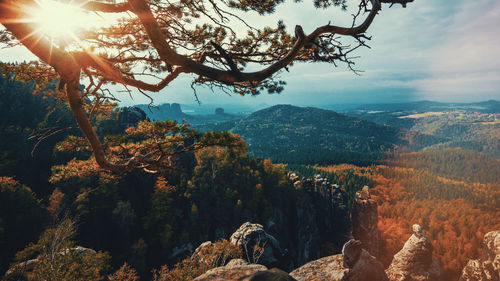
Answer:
x=415 y=261
x=488 y=267
x=239 y=269
x=354 y=264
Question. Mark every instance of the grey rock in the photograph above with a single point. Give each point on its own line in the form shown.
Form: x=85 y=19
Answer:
x=488 y=267
x=351 y=252
x=355 y=264
x=130 y=116
x=257 y=245
x=237 y=262
x=325 y=220
x=273 y=274
x=308 y=234
x=203 y=246
x=231 y=271
x=415 y=261
x=365 y=220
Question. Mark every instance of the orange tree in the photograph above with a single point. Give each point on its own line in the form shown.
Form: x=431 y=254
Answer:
x=164 y=39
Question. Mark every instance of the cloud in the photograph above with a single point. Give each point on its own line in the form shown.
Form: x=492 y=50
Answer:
x=465 y=65
x=438 y=50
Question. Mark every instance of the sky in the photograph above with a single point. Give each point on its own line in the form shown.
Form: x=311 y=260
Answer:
x=436 y=50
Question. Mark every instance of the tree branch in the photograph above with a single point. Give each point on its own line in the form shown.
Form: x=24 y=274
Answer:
x=14 y=17
x=167 y=54
x=228 y=58
x=105 y=7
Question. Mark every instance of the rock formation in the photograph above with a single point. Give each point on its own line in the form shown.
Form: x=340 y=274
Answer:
x=219 y=111
x=130 y=116
x=354 y=264
x=203 y=246
x=308 y=234
x=325 y=220
x=364 y=221
x=257 y=245
x=239 y=269
x=415 y=261
x=175 y=109
x=234 y=270
x=488 y=267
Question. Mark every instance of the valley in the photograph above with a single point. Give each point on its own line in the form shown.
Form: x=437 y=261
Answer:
x=428 y=163
x=293 y=170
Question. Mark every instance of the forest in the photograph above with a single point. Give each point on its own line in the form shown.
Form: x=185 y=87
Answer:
x=207 y=193
x=91 y=189
x=455 y=212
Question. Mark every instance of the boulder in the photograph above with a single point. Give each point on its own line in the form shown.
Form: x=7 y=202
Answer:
x=130 y=116
x=354 y=264
x=236 y=269
x=364 y=221
x=488 y=267
x=240 y=270
x=273 y=274
x=203 y=246
x=415 y=261
x=257 y=245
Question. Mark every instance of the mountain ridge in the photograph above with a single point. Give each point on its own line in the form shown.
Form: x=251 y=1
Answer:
x=285 y=133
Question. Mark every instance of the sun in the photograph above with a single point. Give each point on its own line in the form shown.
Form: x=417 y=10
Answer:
x=59 y=20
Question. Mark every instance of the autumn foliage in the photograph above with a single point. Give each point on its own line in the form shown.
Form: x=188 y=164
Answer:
x=455 y=214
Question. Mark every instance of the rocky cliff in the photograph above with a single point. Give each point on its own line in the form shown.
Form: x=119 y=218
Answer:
x=488 y=267
x=325 y=222
x=364 y=221
x=415 y=261
x=354 y=264
x=257 y=245
x=239 y=269
x=130 y=116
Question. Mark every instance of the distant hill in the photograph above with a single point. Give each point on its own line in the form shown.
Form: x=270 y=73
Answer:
x=490 y=106
x=474 y=126
x=292 y=134
x=456 y=163
x=174 y=111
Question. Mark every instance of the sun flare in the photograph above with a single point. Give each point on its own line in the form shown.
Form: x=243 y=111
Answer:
x=59 y=20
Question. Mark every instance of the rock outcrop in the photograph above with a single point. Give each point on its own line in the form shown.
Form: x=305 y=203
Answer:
x=488 y=267
x=203 y=247
x=354 y=264
x=309 y=236
x=235 y=270
x=239 y=269
x=415 y=261
x=219 y=111
x=130 y=116
x=326 y=220
x=364 y=221
x=257 y=245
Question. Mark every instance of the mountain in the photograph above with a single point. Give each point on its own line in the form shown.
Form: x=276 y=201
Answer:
x=489 y=106
x=173 y=111
x=292 y=134
x=474 y=126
